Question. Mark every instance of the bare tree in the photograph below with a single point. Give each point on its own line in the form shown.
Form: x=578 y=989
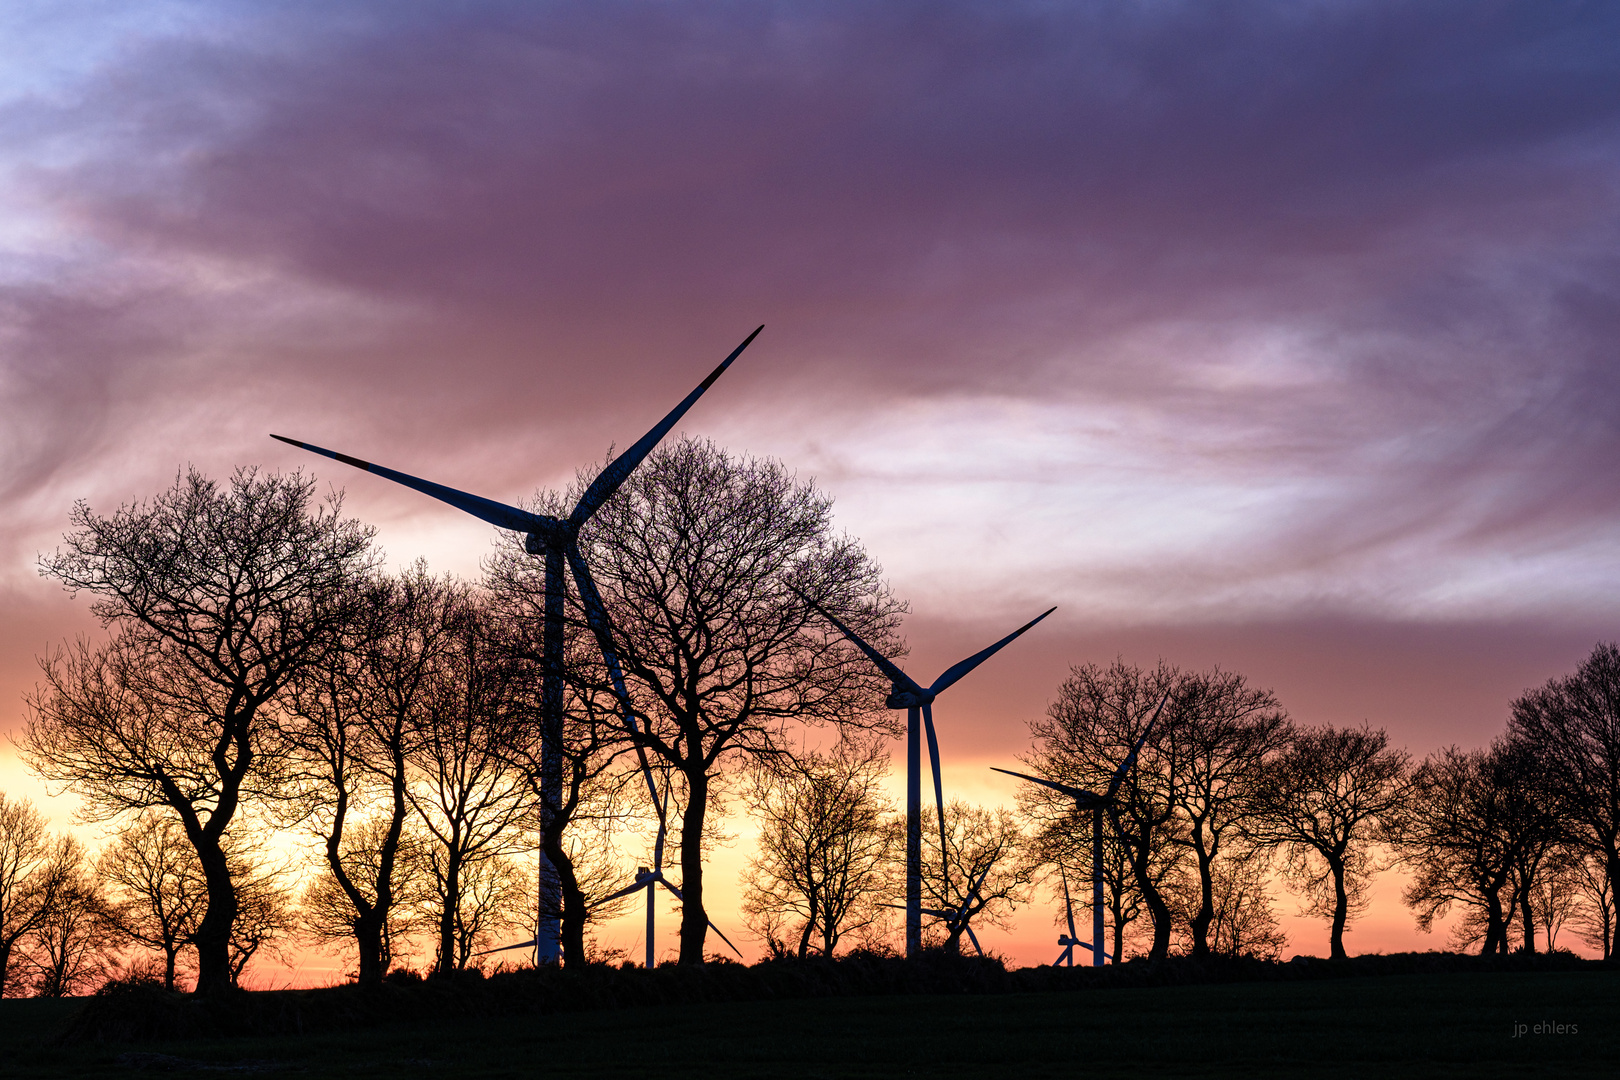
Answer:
x=826 y=842
x=1088 y=731
x=216 y=597
x=1595 y=905
x=491 y=891
x=985 y=871
x=350 y=723
x=705 y=562
x=1572 y=725
x=328 y=912
x=157 y=894
x=1221 y=735
x=1469 y=817
x=1322 y=803
x=468 y=797
x=1243 y=923
x=31 y=880
x=65 y=951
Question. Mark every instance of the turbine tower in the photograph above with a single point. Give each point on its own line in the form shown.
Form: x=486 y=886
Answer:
x=1090 y=800
x=915 y=700
x=557 y=541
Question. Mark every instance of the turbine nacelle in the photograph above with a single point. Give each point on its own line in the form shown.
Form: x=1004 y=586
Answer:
x=548 y=534
x=906 y=698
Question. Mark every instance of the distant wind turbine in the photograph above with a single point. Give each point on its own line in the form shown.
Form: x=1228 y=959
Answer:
x=1090 y=800
x=557 y=539
x=1069 y=940
x=648 y=877
x=914 y=699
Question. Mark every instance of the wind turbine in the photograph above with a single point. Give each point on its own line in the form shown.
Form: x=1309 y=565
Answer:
x=647 y=878
x=915 y=700
x=557 y=539
x=1069 y=941
x=1090 y=800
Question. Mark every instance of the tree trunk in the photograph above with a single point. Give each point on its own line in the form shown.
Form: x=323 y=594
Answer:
x=1206 y=905
x=1341 y=911
x=5 y=963
x=1611 y=928
x=213 y=937
x=1495 y=926
x=572 y=927
x=445 y=965
x=1529 y=920
x=169 y=956
x=694 y=922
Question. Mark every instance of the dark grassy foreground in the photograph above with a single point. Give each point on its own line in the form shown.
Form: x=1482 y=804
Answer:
x=1448 y=1024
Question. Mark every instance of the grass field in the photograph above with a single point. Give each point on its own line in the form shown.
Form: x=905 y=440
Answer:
x=1411 y=1025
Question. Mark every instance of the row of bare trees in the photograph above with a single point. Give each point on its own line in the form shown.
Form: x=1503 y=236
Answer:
x=1227 y=793
x=261 y=671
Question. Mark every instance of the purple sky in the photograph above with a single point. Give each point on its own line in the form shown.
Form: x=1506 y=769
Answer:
x=1280 y=336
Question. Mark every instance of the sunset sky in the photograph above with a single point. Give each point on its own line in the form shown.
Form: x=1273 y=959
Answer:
x=1280 y=336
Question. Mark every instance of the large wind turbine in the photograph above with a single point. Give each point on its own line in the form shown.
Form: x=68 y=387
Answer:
x=1090 y=800
x=914 y=699
x=557 y=539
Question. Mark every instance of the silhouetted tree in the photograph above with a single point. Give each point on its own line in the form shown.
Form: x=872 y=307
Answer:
x=698 y=556
x=350 y=720
x=1322 y=803
x=494 y=894
x=1467 y=822
x=986 y=871
x=826 y=841
x=1088 y=731
x=33 y=873
x=65 y=951
x=216 y=598
x=156 y=892
x=1242 y=922
x=265 y=915
x=469 y=798
x=1594 y=913
x=1573 y=726
x=1220 y=736
x=328 y=911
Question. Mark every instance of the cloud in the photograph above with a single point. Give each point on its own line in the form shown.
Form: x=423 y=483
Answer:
x=1308 y=304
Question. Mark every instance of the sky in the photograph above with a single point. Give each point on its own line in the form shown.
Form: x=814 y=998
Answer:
x=1279 y=336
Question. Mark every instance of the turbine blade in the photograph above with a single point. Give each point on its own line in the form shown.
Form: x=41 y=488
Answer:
x=1125 y=766
x=973 y=938
x=939 y=796
x=723 y=937
x=498 y=514
x=1086 y=798
x=620 y=468
x=626 y=891
x=1068 y=904
x=666 y=883
x=597 y=617
x=1067 y=955
x=952 y=674
x=884 y=664
x=507 y=948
